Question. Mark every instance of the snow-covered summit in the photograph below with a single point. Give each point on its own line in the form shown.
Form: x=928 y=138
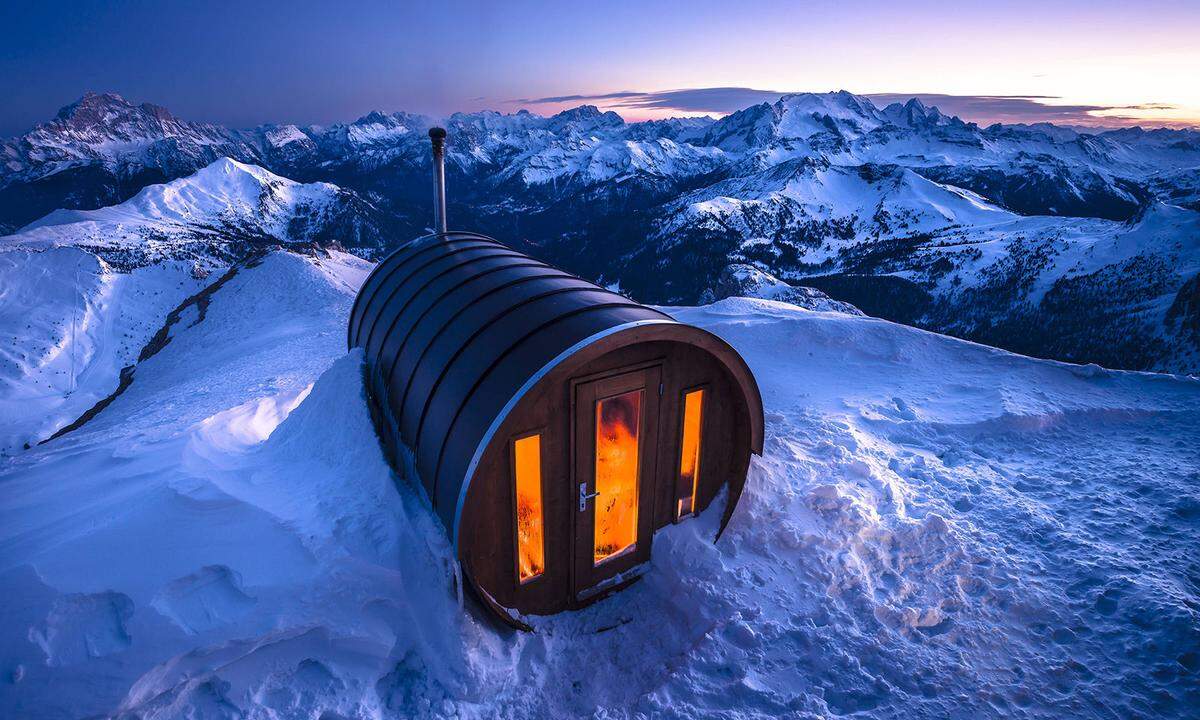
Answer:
x=916 y=114
x=201 y=216
x=108 y=129
x=804 y=114
x=584 y=118
x=224 y=188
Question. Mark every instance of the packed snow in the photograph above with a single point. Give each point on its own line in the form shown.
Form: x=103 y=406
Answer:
x=936 y=529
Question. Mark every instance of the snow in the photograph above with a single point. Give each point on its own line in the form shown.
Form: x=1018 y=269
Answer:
x=282 y=135
x=1082 y=246
x=805 y=114
x=68 y=324
x=889 y=202
x=226 y=188
x=936 y=529
x=748 y=281
x=186 y=217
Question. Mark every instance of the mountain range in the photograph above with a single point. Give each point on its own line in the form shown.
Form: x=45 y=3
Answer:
x=1046 y=240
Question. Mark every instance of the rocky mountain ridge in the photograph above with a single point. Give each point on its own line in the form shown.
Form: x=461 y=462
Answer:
x=996 y=234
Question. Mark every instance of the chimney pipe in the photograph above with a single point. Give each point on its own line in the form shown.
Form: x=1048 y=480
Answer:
x=437 y=136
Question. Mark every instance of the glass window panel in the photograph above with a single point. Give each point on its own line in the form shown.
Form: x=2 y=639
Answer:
x=618 y=423
x=689 y=456
x=527 y=461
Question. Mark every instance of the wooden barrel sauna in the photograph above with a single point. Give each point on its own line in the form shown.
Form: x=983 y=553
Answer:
x=552 y=424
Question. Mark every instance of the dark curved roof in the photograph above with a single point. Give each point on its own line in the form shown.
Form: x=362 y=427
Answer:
x=456 y=328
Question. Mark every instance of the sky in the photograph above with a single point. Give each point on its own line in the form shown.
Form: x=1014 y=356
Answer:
x=1077 y=62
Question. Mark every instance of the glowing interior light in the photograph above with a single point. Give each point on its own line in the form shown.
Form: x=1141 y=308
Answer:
x=618 y=422
x=531 y=552
x=689 y=456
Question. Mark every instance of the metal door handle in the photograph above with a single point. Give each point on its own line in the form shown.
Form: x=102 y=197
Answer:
x=584 y=496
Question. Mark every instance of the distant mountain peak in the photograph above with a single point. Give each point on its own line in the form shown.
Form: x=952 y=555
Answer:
x=90 y=101
x=837 y=103
x=588 y=116
x=581 y=112
x=95 y=107
x=375 y=117
x=915 y=114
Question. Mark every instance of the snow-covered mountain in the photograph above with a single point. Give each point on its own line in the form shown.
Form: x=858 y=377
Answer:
x=936 y=529
x=990 y=233
x=100 y=151
x=904 y=247
x=218 y=214
x=106 y=136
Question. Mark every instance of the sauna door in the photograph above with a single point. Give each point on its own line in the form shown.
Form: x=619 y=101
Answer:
x=616 y=435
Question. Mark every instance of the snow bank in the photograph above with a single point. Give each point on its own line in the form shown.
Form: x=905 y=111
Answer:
x=936 y=529
x=187 y=533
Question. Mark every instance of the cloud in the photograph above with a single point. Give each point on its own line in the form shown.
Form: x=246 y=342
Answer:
x=721 y=100
x=983 y=109
x=987 y=109
x=555 y=99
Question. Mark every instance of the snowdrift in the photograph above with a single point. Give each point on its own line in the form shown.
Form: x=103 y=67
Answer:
x=936 y=529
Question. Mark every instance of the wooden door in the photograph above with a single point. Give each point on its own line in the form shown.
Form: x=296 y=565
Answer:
x=616 y=438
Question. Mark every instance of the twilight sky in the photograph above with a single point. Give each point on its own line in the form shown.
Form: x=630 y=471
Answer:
x=1066 y=61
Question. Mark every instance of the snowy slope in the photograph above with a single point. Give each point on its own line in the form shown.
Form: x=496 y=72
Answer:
x=226 y=188
x=903 y=247
x=209 y=217
x=937 y=529
x=830 y=206
x=69 y=323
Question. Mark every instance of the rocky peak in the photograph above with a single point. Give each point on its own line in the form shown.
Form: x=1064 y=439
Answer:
x=916 y=114
x=93 y=105
x=585 y=117
x=99 y=117
x=375 y=117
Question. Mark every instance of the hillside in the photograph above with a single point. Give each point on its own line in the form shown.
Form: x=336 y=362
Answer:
x=217 y=215
x=936 y=529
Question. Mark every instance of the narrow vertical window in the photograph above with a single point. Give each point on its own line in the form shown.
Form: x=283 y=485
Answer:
x=618 y=423
x=527 y=466
x=689 y=455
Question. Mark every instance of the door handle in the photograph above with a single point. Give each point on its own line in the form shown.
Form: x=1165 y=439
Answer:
x=584 y=496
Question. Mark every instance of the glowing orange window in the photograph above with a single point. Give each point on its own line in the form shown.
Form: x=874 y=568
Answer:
x=618 y=423
x=689 y=455
x=527 y=466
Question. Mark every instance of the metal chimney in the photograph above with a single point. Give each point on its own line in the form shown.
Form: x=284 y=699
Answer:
x=437 y=136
